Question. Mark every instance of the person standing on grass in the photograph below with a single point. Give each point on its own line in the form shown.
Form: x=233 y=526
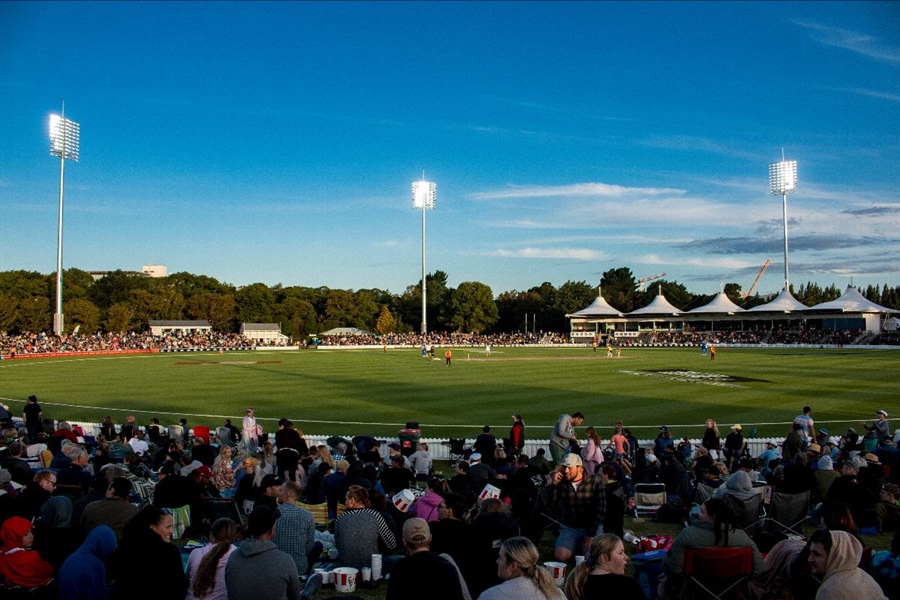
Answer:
x=807 y=426
x=251 y=439
x=31 y=414
x=563 y=436
x=448 y=356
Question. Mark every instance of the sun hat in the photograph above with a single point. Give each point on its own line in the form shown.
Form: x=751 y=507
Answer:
x=881 y=412
x=737 y=426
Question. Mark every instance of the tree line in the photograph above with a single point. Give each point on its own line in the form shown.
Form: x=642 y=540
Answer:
x=122 y=301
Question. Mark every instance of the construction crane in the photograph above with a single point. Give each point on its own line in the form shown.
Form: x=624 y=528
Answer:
x=641 y=282
x=758 y=277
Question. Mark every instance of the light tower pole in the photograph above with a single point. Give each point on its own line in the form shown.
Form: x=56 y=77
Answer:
x=783 y=181
x=424 y=194
x=64 y=135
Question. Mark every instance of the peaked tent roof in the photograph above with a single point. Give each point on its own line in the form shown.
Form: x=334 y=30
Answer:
x=783 y=302
x=598 y=308
x=346 y=331
x=852 y=301
x=721 y=304
x=659 y=306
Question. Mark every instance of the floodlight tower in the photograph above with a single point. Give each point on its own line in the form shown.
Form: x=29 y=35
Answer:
x=64 y=134
x=783 y=181
x=423 y=196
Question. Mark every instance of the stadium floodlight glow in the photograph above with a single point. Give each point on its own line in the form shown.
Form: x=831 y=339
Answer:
x=424 y=194
x=64 y=139
x=783 y=181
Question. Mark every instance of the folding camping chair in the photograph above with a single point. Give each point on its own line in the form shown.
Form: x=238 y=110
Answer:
x=719 y=572
x=787 y=514
x=457 y=450
x=648 y=498
x=748 y=511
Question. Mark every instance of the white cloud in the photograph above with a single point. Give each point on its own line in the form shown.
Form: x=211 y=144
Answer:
x=603 y=190
x=557 y=253
x=875 y=94
x=681 y=261
x=861 y=43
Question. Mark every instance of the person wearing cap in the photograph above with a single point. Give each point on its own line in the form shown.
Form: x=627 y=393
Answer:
x=581 y=498
x=881 y=427
x=422 y=570
x=480 y=473
x=563 y=437
x=394 y=449
x=269 y=488
x=769 y=454
x=516 y=440
x=258 y=570
x=887 y=511
x=735 y=444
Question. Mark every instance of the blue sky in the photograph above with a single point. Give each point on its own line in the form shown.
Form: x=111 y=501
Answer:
x=276 y=142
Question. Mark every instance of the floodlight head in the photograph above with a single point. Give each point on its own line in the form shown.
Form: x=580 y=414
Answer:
x=424 y=194
x=783 y=178
x=64 y=135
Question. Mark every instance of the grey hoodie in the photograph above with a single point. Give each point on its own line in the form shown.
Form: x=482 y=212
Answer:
x=258 y=570
x=844 y=580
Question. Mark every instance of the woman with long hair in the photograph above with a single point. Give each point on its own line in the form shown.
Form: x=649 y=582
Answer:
x=223 y=473
x=206 y=565
x=523 y=578
x=602 y=574
x=591 y=454
x=715 y=527
x=146 y=548
x=710 y=439
x=248 y=486
x=266 y=456
x=250 y=438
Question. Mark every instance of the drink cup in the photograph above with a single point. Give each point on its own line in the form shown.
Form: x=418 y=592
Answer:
x=366 y=573
x=578 y=560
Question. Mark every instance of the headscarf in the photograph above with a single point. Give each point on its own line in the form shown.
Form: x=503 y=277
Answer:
x=825 y=463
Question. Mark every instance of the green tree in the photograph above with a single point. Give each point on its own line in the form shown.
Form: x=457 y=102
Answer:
x=255 y=304
x=119 y=318
x=618 y=287
x=386 y=322
x=297 y=316
x=474 y=309
x=512 y=308
x=341 y=309
x=76 y=284
x=219 y=309
x=24 y=284
x=9 y=312
x=116 y=287
x=35 y=314
x=188 y=284
x=81 y=313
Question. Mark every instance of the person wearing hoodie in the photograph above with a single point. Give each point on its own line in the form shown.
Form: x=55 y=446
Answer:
x=19 y=564
x=258 y=570
x=83 y=575
x=429 y=504
x=834 y=556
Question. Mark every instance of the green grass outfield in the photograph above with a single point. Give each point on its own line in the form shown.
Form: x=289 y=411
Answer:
x=351 y=392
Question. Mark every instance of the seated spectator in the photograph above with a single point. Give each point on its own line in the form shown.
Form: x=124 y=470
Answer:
x=296 y=531
x=461 y=483
x=138 y=444
x=114 y=510
x=523 y=577
x=18 y=468
x=206 y=566
x=362 y=531
x=30 y=500
x=834 y=556
x=886 y=569
x=715 y=527
x=429 y=504
x=540 y=461
x=223 y=473
x=203 y=452
x=19 y=564
x=54 y=537
x=397 y=477
x=887 y=511
x=146 y=549
x=422 y=569
x=83 y=574
x=849 y=491
x=490 y=528
x=602 y=574
x=824 y=476
x=248 y=485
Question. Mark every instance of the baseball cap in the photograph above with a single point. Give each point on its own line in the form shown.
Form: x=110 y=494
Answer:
x=269 y=481
x=475 y=457
x=394 y=446
x=772 y=444
x=572 y=460
x=416 y=531
x=167 y=468
x=261 y=520
x=881 y=412
x=823 y=431
x=203 y=471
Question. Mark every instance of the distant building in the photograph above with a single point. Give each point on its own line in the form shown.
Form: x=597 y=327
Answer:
x=169 y=327
x=265 y=333
x=155 y=270
x=101 y=274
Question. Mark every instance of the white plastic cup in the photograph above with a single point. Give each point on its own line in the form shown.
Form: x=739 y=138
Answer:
x=345 y=579
x=366 y=573
x=579 y=559
x=557 y=571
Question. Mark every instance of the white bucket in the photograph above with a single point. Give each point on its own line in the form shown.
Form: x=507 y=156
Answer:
x=490 y=491
x=403 y=500
x=345 y=579
x=557 y=571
